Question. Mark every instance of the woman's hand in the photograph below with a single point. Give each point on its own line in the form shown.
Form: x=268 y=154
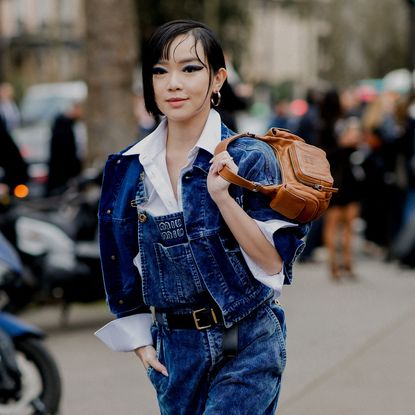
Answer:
x=217 y=186
x=148 y=357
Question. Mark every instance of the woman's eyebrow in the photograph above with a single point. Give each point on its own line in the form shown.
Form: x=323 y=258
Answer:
x=188 y=60
x=180 y=61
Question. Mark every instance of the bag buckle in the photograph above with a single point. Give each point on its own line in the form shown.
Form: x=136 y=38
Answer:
x=197 y=320
x=256 y=187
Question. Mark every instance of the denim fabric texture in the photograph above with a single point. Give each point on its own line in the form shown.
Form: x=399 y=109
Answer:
x=202 y=381
x=211 y=252
x=190 y=258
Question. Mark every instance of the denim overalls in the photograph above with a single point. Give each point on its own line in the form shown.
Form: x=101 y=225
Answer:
x=191 y=260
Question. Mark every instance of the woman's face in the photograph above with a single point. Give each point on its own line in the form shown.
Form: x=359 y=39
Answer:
x=181 y=83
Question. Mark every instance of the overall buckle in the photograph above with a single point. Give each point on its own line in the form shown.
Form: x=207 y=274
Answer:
x=197 y=319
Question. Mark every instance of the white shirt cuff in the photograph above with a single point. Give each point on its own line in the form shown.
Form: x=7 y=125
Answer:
x=127 y=333
x=269 y=227
x=275 y=281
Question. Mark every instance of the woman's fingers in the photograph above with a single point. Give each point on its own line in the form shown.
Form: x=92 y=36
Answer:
x=148 y=356
x=220 y=161
x=156 y=365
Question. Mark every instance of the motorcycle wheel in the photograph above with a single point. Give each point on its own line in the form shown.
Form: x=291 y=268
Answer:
x=41 y=382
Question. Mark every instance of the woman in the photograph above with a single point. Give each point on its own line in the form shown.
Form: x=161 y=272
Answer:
x=344 y=206
x=209 y=258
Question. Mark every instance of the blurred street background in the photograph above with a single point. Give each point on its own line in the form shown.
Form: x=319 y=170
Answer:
x=339 y=74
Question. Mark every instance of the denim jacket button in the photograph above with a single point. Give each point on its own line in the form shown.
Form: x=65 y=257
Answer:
x=142 y=217
x=120 y=302
x=113 y=257
x=109 y=211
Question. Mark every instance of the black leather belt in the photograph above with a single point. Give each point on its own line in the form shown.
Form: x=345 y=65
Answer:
x=200 y=319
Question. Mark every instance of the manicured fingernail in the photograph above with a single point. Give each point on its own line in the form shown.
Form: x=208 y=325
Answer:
x=165 y=373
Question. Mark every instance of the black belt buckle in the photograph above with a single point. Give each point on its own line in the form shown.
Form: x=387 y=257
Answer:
x=196 y=319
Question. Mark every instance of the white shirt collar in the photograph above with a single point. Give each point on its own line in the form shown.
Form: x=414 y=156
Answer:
x=154 y=143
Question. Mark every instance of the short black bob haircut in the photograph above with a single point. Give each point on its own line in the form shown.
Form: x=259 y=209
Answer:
x=158 y=47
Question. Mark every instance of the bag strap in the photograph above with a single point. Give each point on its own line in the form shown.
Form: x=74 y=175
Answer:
x=227 y=174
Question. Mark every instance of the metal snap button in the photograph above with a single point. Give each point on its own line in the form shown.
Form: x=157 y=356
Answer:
x=109 y=211
x=120 y=301
x=113 y=257
x=142 y=217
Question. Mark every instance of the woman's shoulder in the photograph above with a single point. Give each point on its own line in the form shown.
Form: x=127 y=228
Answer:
x=255 y=158
x=121 y=161
x=130 y=150
x=249 y=146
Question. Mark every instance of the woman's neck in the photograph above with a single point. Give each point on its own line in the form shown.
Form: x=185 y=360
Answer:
x=184 y=135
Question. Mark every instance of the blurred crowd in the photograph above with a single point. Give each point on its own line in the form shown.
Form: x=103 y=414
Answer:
x=369 y=139
x=368 y=136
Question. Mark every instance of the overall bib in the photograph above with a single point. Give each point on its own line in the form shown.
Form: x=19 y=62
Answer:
x=202 y=380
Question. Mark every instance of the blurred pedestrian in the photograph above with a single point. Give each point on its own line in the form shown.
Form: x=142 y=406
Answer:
x=344 y=205
x=381 y=137
x=65 y=154
x=308 y=123
x=8 y=108
x=307 y=127
x=280 y=114
x=403 y=246
x=317 y=127
x=12 y=165
x=209 y=259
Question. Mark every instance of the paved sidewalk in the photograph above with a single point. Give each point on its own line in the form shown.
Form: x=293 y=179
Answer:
x=351 y=345
x=351 y=349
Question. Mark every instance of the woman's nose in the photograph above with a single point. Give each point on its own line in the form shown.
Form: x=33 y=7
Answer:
x=174 y=81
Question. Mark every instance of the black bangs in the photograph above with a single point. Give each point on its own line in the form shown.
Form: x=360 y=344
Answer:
x=165 y=53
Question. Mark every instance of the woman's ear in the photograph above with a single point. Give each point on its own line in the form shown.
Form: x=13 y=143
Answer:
x=219 y=79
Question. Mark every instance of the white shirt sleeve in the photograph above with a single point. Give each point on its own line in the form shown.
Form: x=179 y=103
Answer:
x=127 y=333
x=275 y=281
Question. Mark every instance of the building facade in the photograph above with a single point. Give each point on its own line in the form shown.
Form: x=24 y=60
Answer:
x=41 y=41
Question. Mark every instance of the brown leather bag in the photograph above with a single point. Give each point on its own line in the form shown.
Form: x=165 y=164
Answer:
x=307 y=184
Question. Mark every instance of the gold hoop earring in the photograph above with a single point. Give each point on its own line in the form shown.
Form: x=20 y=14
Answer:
x=215 y=99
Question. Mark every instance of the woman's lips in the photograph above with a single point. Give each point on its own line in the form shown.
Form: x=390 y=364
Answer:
x=176 y=99
x=176 y=102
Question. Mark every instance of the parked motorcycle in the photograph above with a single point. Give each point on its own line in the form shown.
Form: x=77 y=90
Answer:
x=56 y=239
x=30 y=383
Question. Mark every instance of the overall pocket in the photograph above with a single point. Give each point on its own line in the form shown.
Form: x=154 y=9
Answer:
x=157 y=378
x=180 y=281
x=277 y=316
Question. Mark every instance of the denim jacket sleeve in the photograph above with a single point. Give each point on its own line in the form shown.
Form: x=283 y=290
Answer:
x=118 y=237
x=257 y=162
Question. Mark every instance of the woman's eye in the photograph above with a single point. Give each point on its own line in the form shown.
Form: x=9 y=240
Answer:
x=192 y=68
x=157 y=70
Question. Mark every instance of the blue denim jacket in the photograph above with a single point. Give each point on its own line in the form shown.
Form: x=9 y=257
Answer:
x=214 y=248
